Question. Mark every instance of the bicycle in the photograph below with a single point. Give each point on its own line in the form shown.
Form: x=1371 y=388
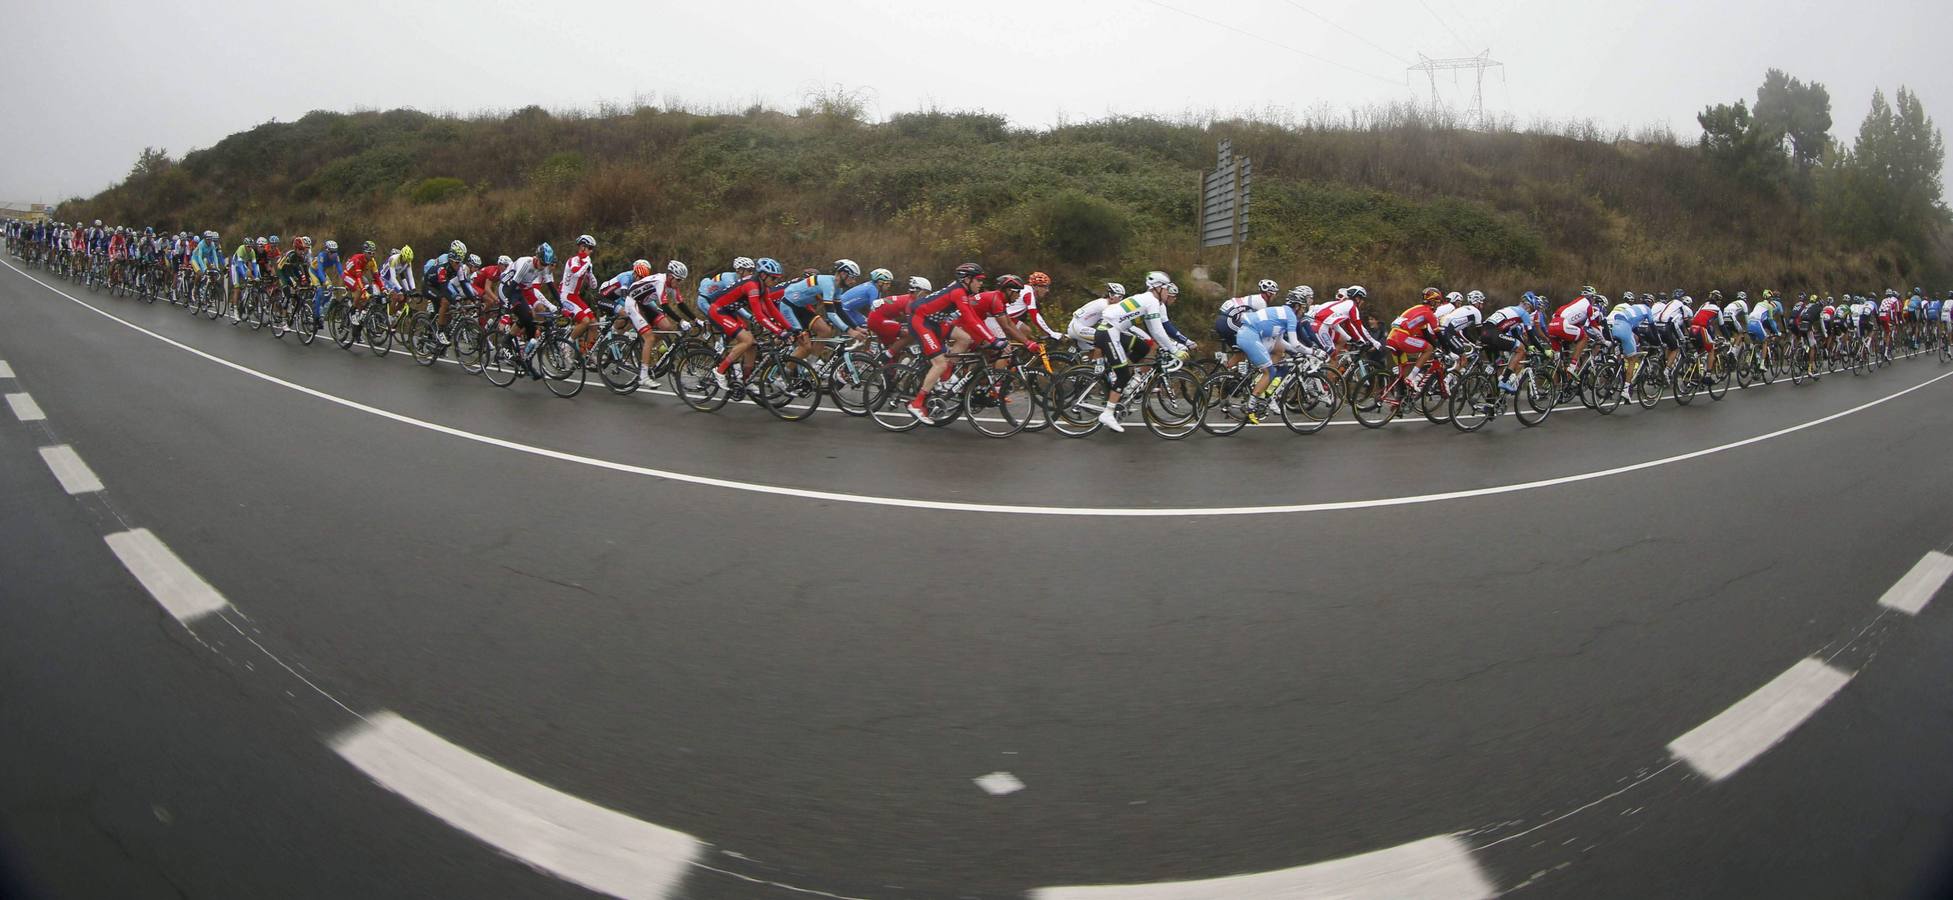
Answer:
x=1168 y=399
x=1480 y=398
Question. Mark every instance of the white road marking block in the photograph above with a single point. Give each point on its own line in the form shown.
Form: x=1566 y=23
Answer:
x=1916 y=589
x=997 y=784
x=576 y=840
x=74 y=475
x=1741 y=733
x=180 y=590
x=1435 y=868
x=6 y=371
x=25 y=409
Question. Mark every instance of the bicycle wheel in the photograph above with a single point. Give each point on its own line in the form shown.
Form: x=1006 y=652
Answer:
x=617 y=363
x=280 y=317
x=1476 y=401
x=1171 y=407
x=1603 y=385
x=304 y=323
x=1078 y=395
x=422 y=342
x=1434 y=401
x=1684 y=381
x=1717 y=382
x=1307 y=402
x=500 y=364
x=376 y=330
x=851 y=382
x=692 y=380
x=1534 y=401
x=1038 y=382
x=561 y=365
x=997 y=402
x=1225 y=403
x=469 y=343
x=788 y=387
x=893 y=386
x=1363 y=389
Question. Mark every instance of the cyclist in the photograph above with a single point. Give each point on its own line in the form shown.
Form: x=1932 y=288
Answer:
x=1457 y=329
x=446 y=281
x=1341 y=321
x=295 y=270
x=1705 y=325
x=1228 y=319
x=1626 y=323
x=1888 y=312
x=397 y=273
x=1413 y=334
x=579 y=274
x=1809 y=325
x=806 y=302
x=524 y=294
x=849 y=313
x=118 y=252
x=1510 y=330
x=207 y=259
x=1671 y=320
x=709 y=287
x=741 y=306
x=1265 y=336
x=327 y=269
x=1451 y=303
x=934 y=318
x=887 y=318
x=653 y=301
x=1124 y=325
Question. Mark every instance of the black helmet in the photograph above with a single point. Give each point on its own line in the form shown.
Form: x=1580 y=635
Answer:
x=969 y=270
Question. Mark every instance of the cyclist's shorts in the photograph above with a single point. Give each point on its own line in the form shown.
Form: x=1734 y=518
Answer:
x=1250 y=343
x=1624 y=335
x=928 y=335
x=1757 y=330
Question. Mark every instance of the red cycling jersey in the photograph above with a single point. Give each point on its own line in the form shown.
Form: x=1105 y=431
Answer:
x=482 y=277
x=886 y=319
x=1412 y=331
x=931 y=317
x=746 y=294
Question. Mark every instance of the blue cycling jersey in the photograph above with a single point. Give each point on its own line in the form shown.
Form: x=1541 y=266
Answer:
x=855 y=304
x=808 y=291
x=1276 y=322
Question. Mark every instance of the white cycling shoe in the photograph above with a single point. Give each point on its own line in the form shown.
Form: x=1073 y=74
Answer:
x=1111 y=421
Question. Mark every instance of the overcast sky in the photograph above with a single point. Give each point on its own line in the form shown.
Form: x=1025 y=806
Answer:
x=187 y=78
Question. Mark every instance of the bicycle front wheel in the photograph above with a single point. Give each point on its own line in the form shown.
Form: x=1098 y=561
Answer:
x=1171 y=407
x=852 y=383
x=693 y=381
x=998 y=403
x=1308 y=402
x=789 y=388
x=1225 y=402
x=561 y=366
x=1535 y=401
x=1078 y=395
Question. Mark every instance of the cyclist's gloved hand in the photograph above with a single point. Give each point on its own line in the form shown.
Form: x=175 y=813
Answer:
x=998 y=345
x=1034 y=346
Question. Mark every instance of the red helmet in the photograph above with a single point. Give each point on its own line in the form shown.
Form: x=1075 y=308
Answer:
x=1009 y=282
x=1039 y=279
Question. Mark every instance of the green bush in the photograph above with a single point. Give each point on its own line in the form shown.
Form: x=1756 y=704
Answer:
x=435 y=190
x=1080 y=229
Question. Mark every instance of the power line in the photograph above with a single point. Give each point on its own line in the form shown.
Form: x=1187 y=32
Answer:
x=1447 y=25
x=1274 y=43
x=1327 y=21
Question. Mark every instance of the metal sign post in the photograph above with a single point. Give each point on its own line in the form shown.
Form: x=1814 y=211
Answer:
x=1224 y=206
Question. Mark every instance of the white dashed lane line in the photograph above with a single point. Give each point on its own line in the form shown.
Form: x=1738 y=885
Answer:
x=6 y=371
x=1916 y=589
x=182 y=592
x=1436 y=868
x=24 y=407
x=601 y=849
x=1719 y=747
x=74 y=475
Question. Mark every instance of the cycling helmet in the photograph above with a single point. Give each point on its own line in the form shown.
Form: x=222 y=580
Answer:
x=504 y=261
x=333 y=246
x=407 y=252
x=1293 y=298
x=1156 y=279
x=457 y=249
x=969 y=270
x=1675 y=294
x=1475 y=298
x=1342 y=294
x=273 y=239
x=641 y=269
x=1356 y=292
x=544 y=252
x=1115 y=289
x=148 y=229
x=474 y=261
x=302 y=242
x=847 y=267
x=1038 y=279
x=263 y=244
x=881 y=275
x=368 y=248
x=208 y=235
x=742 y=263
x=1009 y=283
x=1268 y=286
x=1431 y=294
x=767 y=265
x=98 y=223
x=1889 y=292
x=1301 y=294
x=582 y=240
x=1627 y=297
x=1531 y=300
x=1714 y=295
x=920 y=285
x=1454 y=298
x=1172 y=290
x=1915 y=290
x=677 y=270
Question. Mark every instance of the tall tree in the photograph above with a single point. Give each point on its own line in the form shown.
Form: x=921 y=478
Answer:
x=1789 y=109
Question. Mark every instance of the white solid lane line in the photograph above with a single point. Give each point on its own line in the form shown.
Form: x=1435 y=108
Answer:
x=182 y=592
x=24 y=407
x=956 y=506
x=74 y=475
x=1435 y=868
x=6 y=371
x=1726 y=743
x=1916 y=589
x=576 y=840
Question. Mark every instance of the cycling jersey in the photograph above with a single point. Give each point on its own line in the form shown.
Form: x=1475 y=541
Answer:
x=1136 y=312
x=801 y=297
x=616 y=286
x=444 y=277
x=655 y=291
x=1085 y=320
x=933 y=316
x=1259 y=329
x=851 y=310
x=118 y=247
x=206 y=256
x=360 y=273
x=743 y=300
x=885 y=319
x=1570 y=321
x=244 y=262
x=325 y=266
x=1340 y=317
x=1886 y=308
x=1228 y=320
x=397 y=275
x=579 y=274
x=1411 y=331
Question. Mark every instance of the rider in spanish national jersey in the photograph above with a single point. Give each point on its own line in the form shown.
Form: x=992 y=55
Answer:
x=1413 y=334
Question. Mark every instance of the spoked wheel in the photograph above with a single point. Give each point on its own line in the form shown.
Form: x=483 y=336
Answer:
x=617 y=363
x=892 y=386
x=692 y=380
x=1435 y=400
x=1646 y=388
x=469 y=343
x=304 y=323
x=998 y=403
x=852 y=382
x=1171 y=407
x=1600 y=386
x=280 y=319
x=1225 y=403
x=561 y=365
x=1038 y=382
x=376 y=330
x=500 y=364
x=212 y=305
x=1363 y=389
x=1476 y=401
x=1685 y=379
x=788 y=387
x=1535 y=401
x=1746 y=366
x=339 y=326
x=1307 y=402
x=423 y=341
x=1717 y=383
x=1078 y=395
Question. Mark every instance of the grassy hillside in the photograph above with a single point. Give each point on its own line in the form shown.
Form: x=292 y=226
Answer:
x=1394 y=204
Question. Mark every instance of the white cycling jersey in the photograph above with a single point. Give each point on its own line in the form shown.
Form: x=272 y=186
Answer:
x=1676 y=313
x=526 y=273
x=1085 y=320
x=1444 y=309
x=1462 y=318
x=1233 y=309
x=1737 y=312
x=1140 y=311
x=397 y=275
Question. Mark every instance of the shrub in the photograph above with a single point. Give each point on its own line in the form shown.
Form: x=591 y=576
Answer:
x=1081 y=229
x=435 y=190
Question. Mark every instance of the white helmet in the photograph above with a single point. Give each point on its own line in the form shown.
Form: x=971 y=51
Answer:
x=1268 y=286
x=1475 y=298
x=333 y=246
x=1454 y=298
x=1115 y=289
x=458 y=250
x=504 y=261
x=677 y=270
x=1342 y=294
x=1356 y=292
x=1300 y=295
x=881 y=275
x=1157 y=279
x=742 y=263
x=920 y=285
x=1172 y=290
x=847 y=267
